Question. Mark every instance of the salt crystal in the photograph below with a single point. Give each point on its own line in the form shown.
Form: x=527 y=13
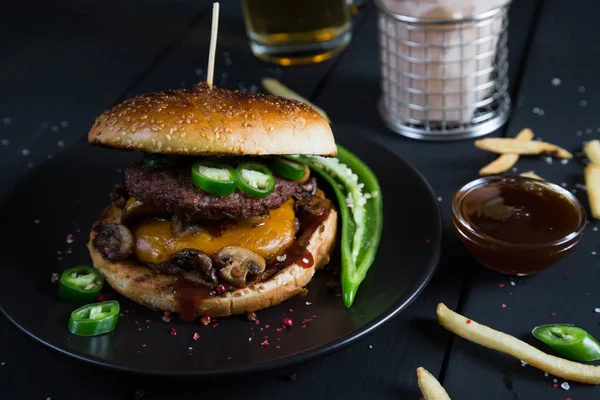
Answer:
x=555 y=81
x=564 y=161
x=523 y=363
x=439 y=199
x=60 y=143
x=588 y=131
x=370 y=346
x=25 y=152
x=581 y=89
x=595 y=229
x=44 y=125
x=583 y=103
x=30 y=165
x=565 y=385
x=563 y=184
x=253 y=88
x=64 y=124
x=7 y=120
x=537 y=111
x=579 y=133
x=594 y=253
x=548 y=160
x=198 y=71
x=515 y=169
x=597 y=310
x=5 y=142
x=555 y=380
x=512 y=283
x=308 y=303
x=3 y=363
x=54 y=128
x=546 y=374
x=36 y=221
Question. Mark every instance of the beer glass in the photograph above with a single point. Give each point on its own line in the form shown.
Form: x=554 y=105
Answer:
x=293 y=32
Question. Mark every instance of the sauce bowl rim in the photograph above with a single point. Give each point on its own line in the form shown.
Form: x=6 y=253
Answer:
x=459 y=219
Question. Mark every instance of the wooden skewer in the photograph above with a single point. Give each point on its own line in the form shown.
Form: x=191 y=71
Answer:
x=213 y=45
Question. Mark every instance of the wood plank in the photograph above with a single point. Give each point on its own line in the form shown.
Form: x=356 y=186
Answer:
x=560 y=50
x=350 y=97
x=64 y=62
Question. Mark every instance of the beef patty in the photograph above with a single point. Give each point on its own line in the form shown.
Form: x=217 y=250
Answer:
x=171 y=190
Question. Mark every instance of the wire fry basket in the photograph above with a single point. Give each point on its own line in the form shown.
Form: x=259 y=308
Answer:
x=444 y=79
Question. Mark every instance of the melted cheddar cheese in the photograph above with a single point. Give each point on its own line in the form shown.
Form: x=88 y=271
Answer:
x=156 y=242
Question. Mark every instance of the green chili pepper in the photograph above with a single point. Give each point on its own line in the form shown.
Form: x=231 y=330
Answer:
x=95 y=319
x=255 y=179
x=288 y=169
x=80 y=284
x=157 y=161
x=219 y=179
x=361 y=212
x=569 y=341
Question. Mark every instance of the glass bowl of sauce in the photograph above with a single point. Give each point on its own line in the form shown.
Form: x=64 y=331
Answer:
x=517 y=225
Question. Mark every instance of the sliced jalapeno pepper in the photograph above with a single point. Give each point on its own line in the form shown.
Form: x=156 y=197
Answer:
x=288 y=169
x=219 y=179
x=255 y=179
x=95 y=319
x=157 y=161
x=80 y=284
x=569 y=341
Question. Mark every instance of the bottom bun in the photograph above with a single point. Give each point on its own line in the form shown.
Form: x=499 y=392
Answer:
x=151 y=289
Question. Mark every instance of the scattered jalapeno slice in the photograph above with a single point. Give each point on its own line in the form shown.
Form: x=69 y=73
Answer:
x=213 y=178
x=255 y=179
x=569 y=341
x=288 y=169
x=80 y=284
x=95 y=319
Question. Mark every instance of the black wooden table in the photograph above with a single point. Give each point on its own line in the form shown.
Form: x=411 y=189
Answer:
x=64 y=62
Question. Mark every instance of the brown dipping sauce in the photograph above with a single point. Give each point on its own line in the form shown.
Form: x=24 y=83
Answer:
x=517 y=225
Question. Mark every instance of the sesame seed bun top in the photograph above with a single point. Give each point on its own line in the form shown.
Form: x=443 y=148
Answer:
x=204 y=121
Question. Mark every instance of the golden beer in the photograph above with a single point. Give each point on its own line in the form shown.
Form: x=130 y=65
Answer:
x=291 y=32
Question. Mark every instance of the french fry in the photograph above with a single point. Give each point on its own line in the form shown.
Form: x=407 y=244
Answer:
x=508 y=145
x=506 y=161
x=430 y=387
x=532 y=174
x=277 y=88
x=592 y=151
x=492 y=339
x=592 y=181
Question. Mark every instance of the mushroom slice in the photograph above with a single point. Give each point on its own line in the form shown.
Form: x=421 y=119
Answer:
x=115 y=241
x=235 y=263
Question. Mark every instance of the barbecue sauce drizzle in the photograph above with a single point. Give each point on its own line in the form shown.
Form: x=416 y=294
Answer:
x=190 y=294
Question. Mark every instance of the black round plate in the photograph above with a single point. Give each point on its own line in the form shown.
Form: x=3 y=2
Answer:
x=46 y=221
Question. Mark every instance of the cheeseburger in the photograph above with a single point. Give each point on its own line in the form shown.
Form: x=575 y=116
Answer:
x=215 y=220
